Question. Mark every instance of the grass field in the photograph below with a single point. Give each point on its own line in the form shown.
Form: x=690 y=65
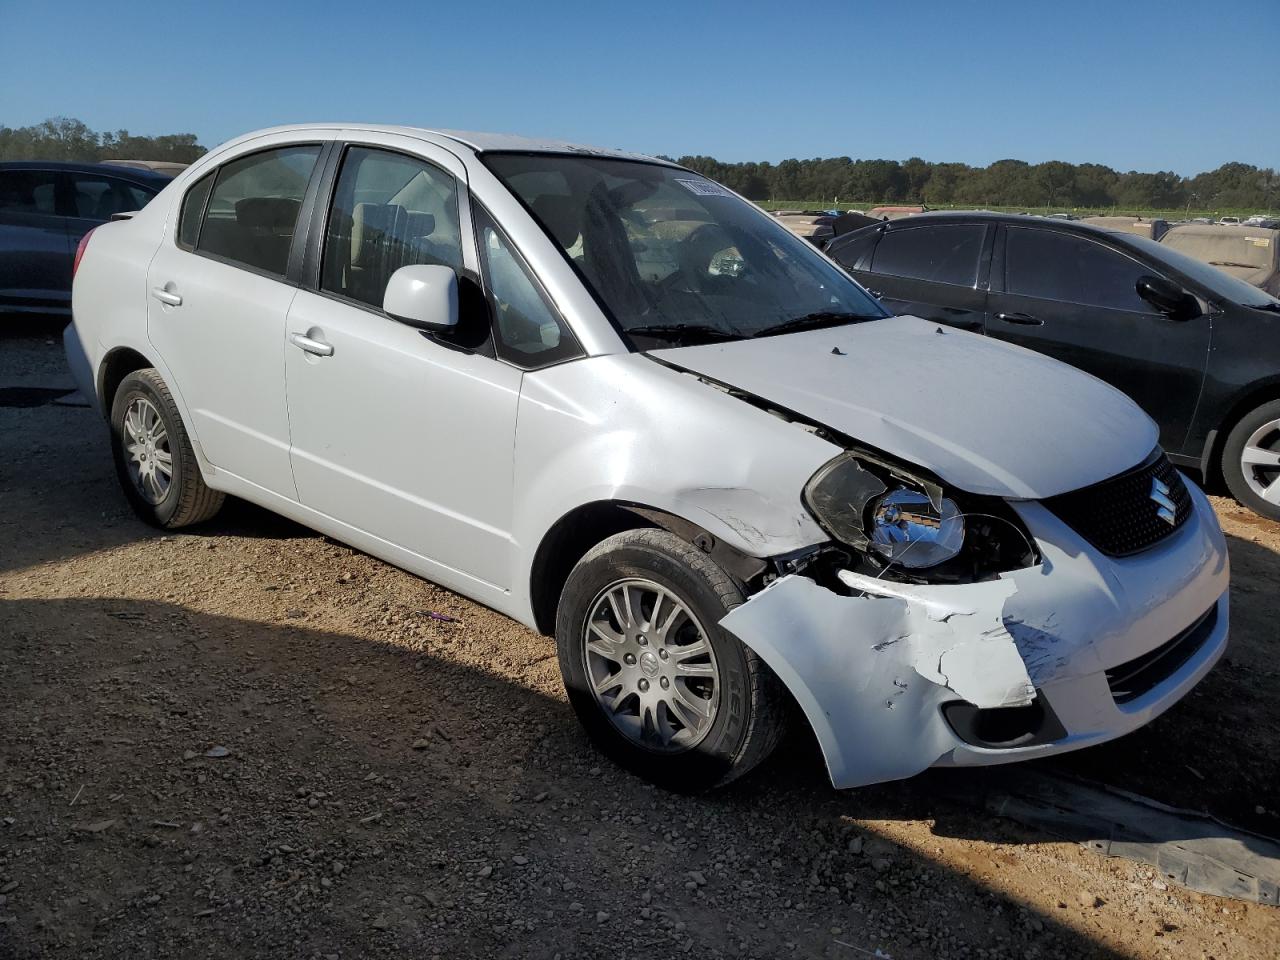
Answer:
x=1176 y=214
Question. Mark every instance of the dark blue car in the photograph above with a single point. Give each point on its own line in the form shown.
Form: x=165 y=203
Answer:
x=45 y=208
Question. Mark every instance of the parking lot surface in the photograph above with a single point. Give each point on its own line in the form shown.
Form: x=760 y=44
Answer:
x=248 y=740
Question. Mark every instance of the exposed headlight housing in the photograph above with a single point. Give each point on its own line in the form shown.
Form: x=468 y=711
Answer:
x=911 y=525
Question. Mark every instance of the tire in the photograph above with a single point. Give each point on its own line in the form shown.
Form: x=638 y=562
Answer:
x=137 y=439
x=668 y=743
x=1259 y=432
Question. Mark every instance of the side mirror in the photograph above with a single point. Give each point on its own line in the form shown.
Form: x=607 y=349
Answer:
x=1169 y=298
x=423 y=296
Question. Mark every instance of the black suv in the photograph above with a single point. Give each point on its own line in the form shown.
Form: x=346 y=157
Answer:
x=1199 y=350
x=45 y=208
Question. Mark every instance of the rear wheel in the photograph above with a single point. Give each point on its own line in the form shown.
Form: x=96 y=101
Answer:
x=154 y=460
x=658 y=684
x=1251 y=460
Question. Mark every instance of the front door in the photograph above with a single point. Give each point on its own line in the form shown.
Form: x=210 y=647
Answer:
x=1075 y=298
x=394 y=432
x=218 y=294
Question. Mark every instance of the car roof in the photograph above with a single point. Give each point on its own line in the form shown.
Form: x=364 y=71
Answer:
x=475 y=141
x=135 y=174
x=992 y=216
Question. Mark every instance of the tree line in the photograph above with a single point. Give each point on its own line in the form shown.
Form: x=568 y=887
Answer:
x=1005 y=183
x=61 y=138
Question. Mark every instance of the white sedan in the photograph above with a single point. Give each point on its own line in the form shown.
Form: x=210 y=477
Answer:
x=619 y=403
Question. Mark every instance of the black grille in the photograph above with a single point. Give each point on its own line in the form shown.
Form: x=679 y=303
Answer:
x=1119 y=516
x=1131 y=680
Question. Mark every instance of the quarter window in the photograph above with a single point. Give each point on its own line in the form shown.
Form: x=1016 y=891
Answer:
x=942 y=253
x=1057 y=266
x=253 y=209
x=99 y=198
x=28 y=191
x=528 y=331
x=389 y=211
x=193 y=210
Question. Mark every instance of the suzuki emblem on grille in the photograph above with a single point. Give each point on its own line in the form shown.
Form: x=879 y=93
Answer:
x=1167 y=509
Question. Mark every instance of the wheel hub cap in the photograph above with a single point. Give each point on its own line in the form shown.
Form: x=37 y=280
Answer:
x=1260 y=462
x=145 y=442
x=650 y=666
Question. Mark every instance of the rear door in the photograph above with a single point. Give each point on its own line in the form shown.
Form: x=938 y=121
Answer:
x=35 y=259
x=219 y=289
x=1075 y=298
x=931 y=270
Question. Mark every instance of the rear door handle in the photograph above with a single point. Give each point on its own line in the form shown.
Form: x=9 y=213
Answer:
x=318 y=347
x=1024 y=319
x=166 y=297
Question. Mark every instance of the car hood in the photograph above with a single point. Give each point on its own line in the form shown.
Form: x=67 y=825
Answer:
x=985 y=416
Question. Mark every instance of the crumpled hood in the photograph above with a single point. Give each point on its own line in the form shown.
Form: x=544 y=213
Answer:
x=985 y=416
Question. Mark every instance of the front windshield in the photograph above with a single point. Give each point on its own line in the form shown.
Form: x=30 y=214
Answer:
x=1220 y=282
x=676 y=259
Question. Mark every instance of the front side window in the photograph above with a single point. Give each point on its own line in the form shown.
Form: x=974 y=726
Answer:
x=674 y=258
x=939 y=253
x=1058 y=266
x=389 y=211
x=100 y=198
x=528 y=331
x=253 y=209
x=28 y=191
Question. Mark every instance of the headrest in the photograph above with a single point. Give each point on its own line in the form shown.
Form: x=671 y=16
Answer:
x=561 y=215
x=371 y=223
x=273 y=214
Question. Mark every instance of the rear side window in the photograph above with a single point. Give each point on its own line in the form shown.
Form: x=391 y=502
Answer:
x=193 y=205
x=100 y=198
x=528 y=331
x=253 y=208
x=941 y=253
x=28 y=191
x=389 y=211
x=1057 y=266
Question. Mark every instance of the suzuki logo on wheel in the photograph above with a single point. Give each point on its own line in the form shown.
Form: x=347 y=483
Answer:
x=1167 y=509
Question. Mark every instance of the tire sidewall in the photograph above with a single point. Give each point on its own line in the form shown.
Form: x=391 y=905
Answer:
x=1233 y=450
x=132 y=387
x=711 y=760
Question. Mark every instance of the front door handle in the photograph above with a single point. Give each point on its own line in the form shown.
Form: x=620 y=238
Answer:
x=1023 y=319
x=166 y=297
x=318 y=347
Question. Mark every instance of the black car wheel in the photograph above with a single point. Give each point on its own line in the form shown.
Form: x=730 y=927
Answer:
x=1251 y=460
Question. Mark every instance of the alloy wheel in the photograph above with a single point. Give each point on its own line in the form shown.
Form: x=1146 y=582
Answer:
x=146 y=447
x=650 y=666
x=1260 y=462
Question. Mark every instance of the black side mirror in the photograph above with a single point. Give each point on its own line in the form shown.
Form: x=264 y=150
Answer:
x=1169 y=298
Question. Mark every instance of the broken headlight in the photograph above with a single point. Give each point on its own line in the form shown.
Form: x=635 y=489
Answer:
x=911 y=524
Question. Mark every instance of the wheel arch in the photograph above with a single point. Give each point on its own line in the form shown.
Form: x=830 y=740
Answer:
x=586 y=525
x=1249 y=399
x=118 y=363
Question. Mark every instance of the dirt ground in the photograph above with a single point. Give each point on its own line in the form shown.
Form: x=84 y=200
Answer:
x=250 y=741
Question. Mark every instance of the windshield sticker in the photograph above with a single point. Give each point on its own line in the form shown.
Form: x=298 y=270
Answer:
x=705 y=188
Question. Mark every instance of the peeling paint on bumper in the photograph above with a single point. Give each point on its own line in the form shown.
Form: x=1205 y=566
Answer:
x=872 y=672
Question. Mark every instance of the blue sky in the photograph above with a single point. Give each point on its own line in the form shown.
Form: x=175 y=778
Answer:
x=1131 y=83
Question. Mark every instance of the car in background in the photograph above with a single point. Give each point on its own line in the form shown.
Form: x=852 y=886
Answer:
x=45 y=208
x=814 y=226
x=1251 y=254
x=1197 y=348
x=1270 y=222
x=169 y=168
x=716 y=476
x=1229 y=221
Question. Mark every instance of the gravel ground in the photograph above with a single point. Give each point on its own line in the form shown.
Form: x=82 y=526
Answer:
x=249 y=740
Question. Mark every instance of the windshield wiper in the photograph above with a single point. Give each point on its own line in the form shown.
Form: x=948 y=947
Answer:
x=1271 y=305
x=813 y=321
x=1228 y=263
x=684 y=333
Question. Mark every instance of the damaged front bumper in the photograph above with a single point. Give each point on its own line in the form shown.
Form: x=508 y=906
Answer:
x=1079 y=649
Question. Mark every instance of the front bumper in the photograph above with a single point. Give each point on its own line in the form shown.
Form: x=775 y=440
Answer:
x=873 y=672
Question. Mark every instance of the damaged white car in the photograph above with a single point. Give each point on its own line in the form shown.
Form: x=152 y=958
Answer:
x=617 y=402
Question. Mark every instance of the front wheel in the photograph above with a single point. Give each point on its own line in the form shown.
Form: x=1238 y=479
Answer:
x=658 y=684
x=1251 y=460
x=154 y=460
